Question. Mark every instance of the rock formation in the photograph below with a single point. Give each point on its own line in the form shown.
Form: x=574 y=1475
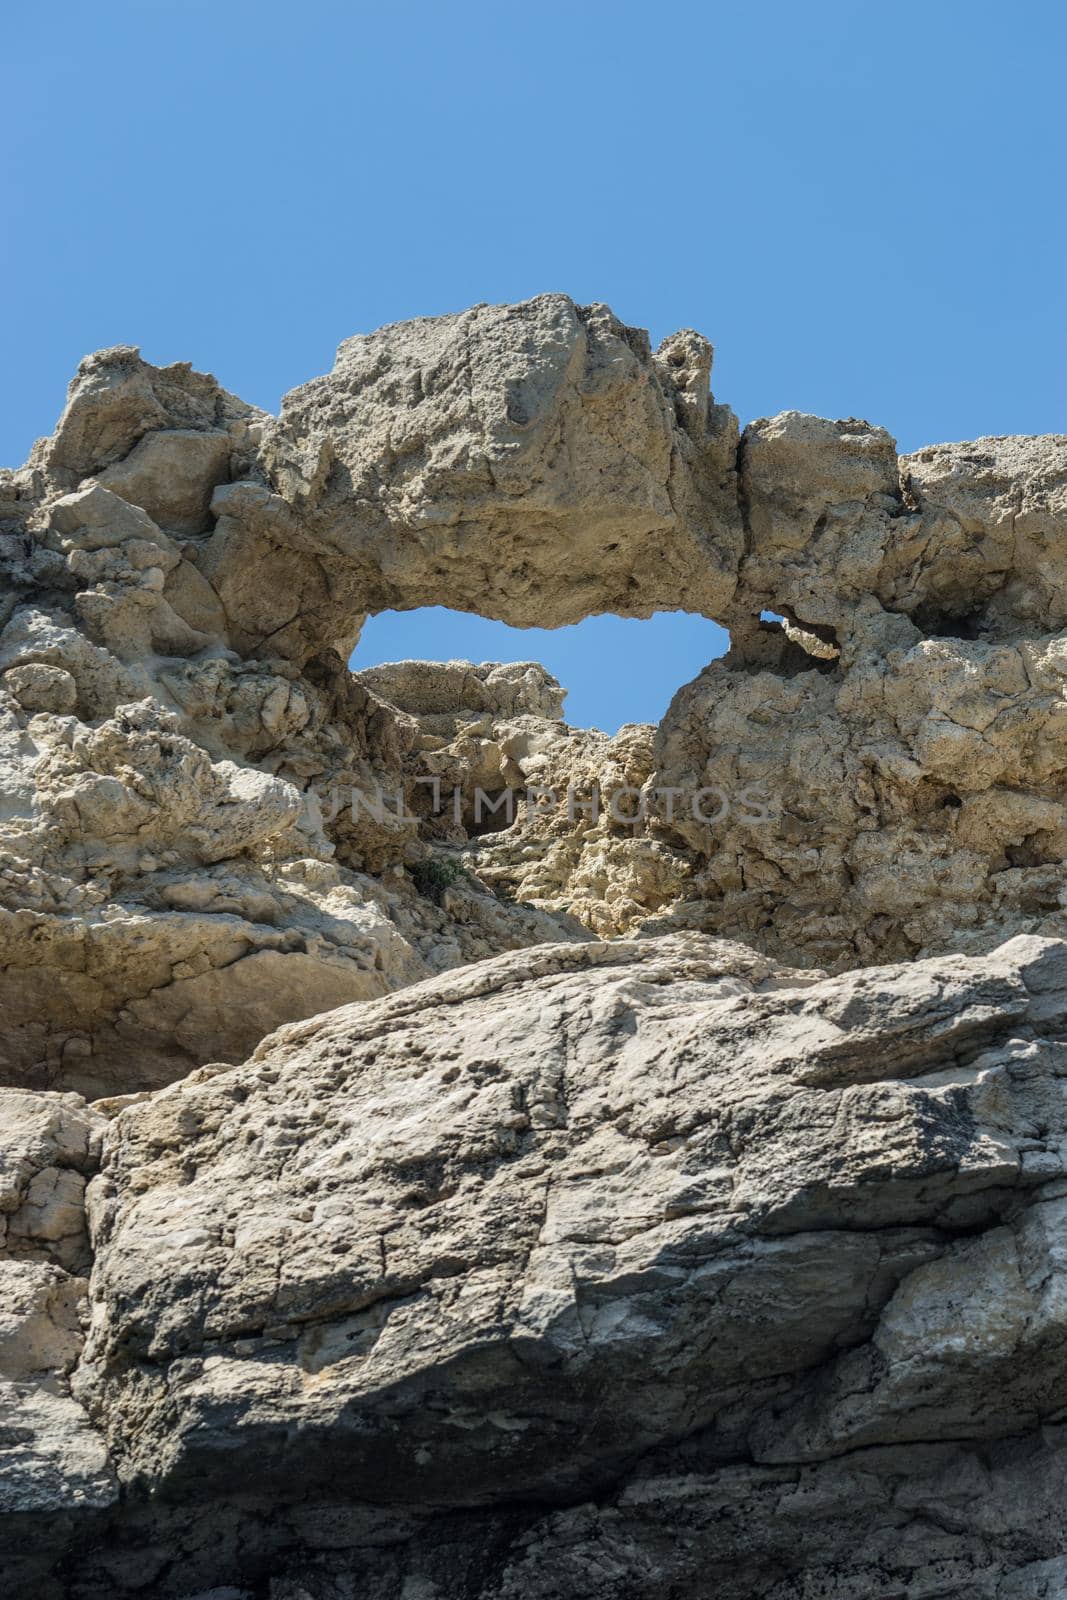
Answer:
x=580 y=1271
x=673 y=1206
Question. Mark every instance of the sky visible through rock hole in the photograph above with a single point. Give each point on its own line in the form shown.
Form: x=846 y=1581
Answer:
x=860 y=206
x=615 y=669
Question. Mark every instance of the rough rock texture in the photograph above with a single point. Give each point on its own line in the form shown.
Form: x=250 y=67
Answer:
x=919 y=795
x=589 y=1270
x=181 y=863
x=169 y=888
x=546 y=814
x=54 y=1466
x=533 y=462
x=632 y=1229
x=910 y=718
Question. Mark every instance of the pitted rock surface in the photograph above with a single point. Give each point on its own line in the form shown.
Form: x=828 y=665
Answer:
x=674 y=1202
x=636 y=1228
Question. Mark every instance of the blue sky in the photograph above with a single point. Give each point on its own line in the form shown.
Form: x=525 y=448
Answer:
x=862 y=206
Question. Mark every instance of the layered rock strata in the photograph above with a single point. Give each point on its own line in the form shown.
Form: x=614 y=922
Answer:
x=588 y=1270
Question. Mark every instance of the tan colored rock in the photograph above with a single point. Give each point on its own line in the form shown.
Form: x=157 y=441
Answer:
x=42 y=1313
x=38 y=687
x=960 y=538
x=464 y=690
x=915 y=801
x=172 y=475
x=584 y=841
x=820 y=496
x=988 y=548
x=53 y=1461
x=180 y=864
x=116 y=398
x=49 y=1144
x=452 y=460
x=547 y=816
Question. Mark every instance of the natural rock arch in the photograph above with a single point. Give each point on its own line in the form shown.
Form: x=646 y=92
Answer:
x=594 y=1267
x=185 y=575
x=534 y=463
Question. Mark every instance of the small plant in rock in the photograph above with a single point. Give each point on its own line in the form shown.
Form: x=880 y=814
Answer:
x=433 y=876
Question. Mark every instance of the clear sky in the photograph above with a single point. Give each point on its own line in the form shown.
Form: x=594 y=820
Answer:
x=861 y=205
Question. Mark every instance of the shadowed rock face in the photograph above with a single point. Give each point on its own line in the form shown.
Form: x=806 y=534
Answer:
x=576 y=1270
x=601 y=1244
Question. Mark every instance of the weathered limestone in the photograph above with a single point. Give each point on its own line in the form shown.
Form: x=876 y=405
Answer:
x=918 y=794
x=965 y=539
x=605 y=1258
x=49 y=1143
x=54 y=1465
x=182 y=862
x=522 y=1174
x=533 y=462
x=463 y=691
x=645 y=1229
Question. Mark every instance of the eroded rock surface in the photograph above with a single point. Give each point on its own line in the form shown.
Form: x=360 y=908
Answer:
x=534 y=462
x=734 y=1266
x=182 y=865
x=907 y=720
x=55 y=1471
x=600 y=1244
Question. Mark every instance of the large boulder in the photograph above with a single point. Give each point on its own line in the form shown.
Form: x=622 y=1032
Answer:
x=739 y=1267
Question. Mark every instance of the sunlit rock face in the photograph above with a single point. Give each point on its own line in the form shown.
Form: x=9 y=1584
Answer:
x=210 y=827
x=534 y=463
x=678 y=1188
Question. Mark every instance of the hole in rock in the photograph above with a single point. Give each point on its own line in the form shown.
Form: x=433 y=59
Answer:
x=945 y=624
x=782 y=644
x=615 y=669
x=1041 y=849
x=498 y=813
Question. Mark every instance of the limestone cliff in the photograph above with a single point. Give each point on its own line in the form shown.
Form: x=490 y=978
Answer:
x=674 y=1205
